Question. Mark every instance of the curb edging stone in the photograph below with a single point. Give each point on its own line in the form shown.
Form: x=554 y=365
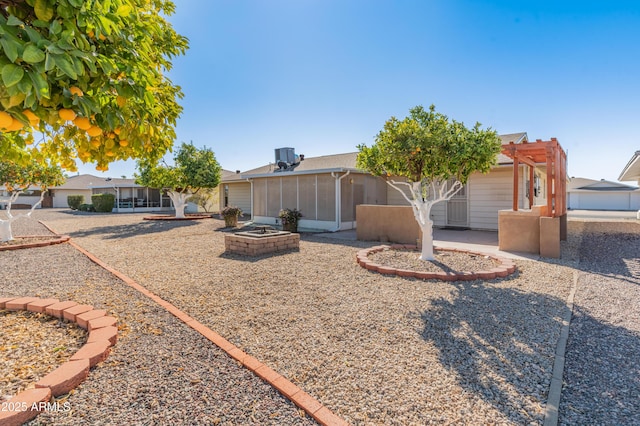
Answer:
x=66 y=376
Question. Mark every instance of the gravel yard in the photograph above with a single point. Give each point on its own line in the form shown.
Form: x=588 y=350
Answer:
x=374 y=349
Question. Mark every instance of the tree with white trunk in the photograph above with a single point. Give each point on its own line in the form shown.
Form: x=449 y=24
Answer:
x=16 y=180
x=193 y=170
x=434 y=155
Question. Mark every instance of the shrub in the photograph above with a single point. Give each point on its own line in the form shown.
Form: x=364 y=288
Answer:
x=103 y=203
x=86 y=208
x=74 y=201
x=290 y=216
x=231 y=211
x=230 y=215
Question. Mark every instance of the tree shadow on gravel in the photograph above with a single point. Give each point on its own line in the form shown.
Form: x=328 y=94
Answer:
x=116 y=232
x=500 y=343
x=601 y=382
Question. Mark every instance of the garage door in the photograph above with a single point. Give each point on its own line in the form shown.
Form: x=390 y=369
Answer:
x=608 y=201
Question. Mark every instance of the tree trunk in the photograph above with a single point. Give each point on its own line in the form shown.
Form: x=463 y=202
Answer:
x=179 y=200
x=423 y=197
x=427 y=241
x=5 y=231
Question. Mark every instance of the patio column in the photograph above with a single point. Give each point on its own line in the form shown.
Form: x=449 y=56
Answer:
x=516 y=166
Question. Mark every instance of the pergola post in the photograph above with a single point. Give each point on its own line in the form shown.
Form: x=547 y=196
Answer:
x=516 y=166
x=531 y=186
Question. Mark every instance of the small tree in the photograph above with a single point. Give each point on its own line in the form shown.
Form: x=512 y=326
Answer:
x=207 y=199
x=435 y=155
x=194 y=169
x=17 y=179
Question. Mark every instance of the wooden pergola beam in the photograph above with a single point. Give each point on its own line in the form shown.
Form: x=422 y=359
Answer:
x=541 y=152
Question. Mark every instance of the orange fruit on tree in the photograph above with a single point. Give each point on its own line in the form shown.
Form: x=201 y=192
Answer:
x=116 y=130
x=82 y=123
x=75 y=91
x=67 y=114
x=95 y=143
x=33 y=119
x=15 y=126
x=123 y=142
x=121 y=101
x=110 y=154
x=94 y=131
x=5 y=119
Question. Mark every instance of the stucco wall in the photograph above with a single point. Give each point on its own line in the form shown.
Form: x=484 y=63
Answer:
x=387 y=224
x=60 y=196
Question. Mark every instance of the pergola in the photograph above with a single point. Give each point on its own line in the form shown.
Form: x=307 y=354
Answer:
x=539 y=153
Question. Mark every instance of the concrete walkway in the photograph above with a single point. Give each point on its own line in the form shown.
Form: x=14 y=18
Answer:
x=481 y=241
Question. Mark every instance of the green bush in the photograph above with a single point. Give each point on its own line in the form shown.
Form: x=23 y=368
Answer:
x=74 y=201
x=103 y=203
x=86 y=208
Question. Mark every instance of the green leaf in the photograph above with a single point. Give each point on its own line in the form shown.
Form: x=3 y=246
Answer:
x=11 y=74
x=43 y=10
x=34 y=36
x=65 y=64
x=10 y=48
x=124 y=10
x=13 y=21
x=75 y=3
x=49 y=62
x=55 y=27
x=32 y=55
x=40 y=84
x=40 y=24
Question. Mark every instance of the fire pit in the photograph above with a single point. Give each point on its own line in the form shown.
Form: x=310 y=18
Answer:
x=261 y=240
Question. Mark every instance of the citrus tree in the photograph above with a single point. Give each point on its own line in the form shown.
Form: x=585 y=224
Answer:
x=434 y=154
x=16 y=179
x=194 y=169
x=84 y=79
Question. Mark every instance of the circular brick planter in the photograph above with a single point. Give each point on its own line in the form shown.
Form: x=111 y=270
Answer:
x=103 y=334
x=188 y=217
x=505 y=266
x=28 y=241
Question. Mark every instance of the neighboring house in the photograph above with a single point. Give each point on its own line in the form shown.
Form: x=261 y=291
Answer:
x=74 y=185
x=590 y=194
x=130 y=197
x=327 y=189
x=25 y=200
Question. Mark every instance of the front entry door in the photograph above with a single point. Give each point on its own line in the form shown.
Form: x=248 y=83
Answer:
x=457 y=209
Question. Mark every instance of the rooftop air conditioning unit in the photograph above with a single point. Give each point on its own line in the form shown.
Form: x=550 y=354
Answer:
x=286 y=158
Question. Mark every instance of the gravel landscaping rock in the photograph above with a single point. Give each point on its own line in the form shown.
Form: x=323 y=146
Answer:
x=602 y=370
x=160 y=371
x=446 y=260
x=374 y=349
x=31 y=346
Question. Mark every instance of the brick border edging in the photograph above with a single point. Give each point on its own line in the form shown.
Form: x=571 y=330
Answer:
x=170 y=218
x=55 y=239
x=505 y=268
x=289 y=390
x=103 y=334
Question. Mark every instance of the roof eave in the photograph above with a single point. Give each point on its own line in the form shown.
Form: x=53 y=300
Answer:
x=303 y=172
x=632 y=169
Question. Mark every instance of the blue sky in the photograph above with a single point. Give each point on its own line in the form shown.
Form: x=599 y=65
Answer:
x=324 y=75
